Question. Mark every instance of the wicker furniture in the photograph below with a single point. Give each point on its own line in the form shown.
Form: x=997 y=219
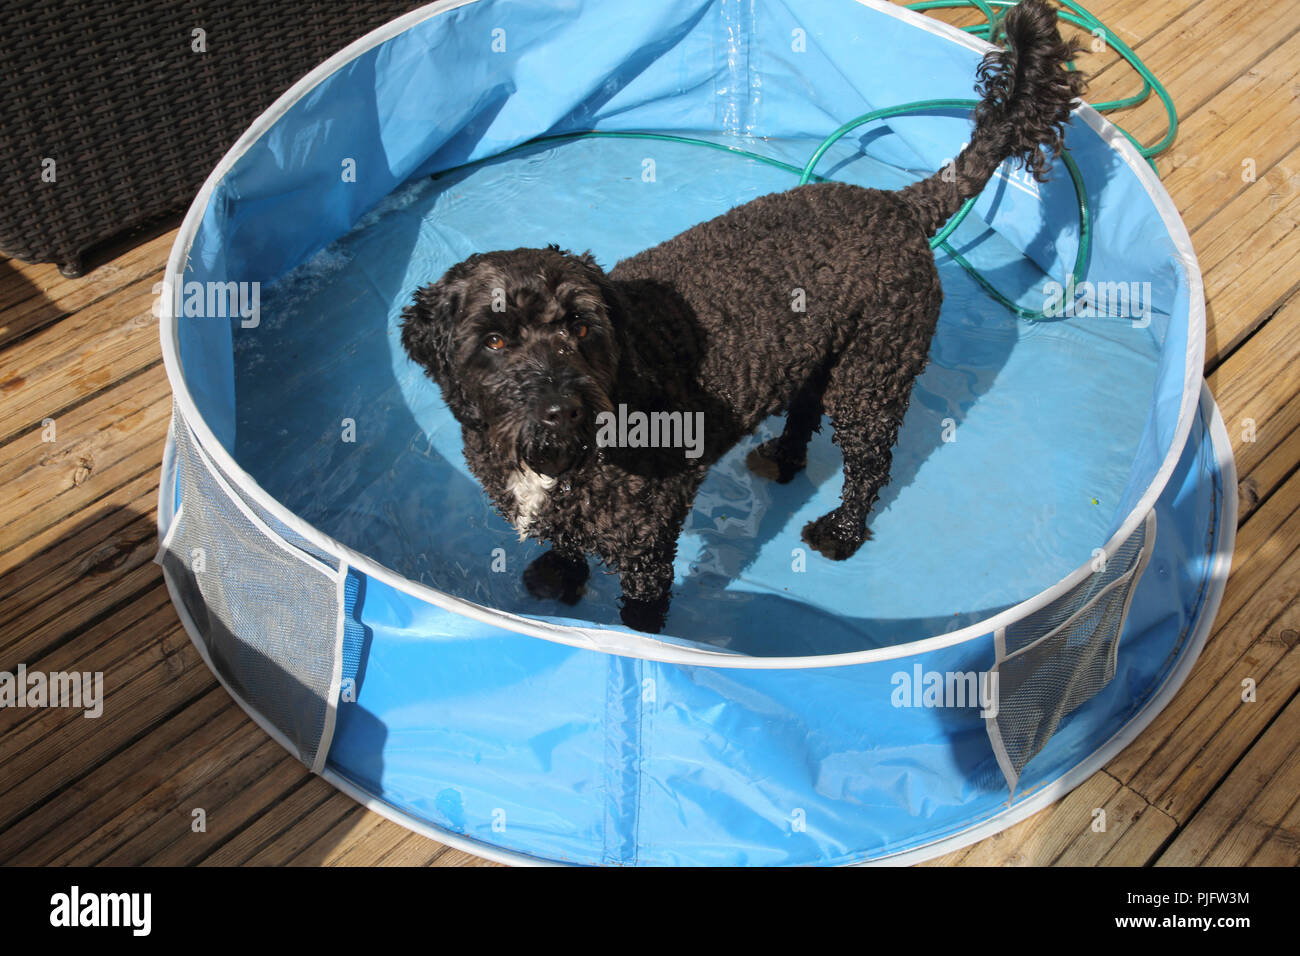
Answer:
x=115 y=113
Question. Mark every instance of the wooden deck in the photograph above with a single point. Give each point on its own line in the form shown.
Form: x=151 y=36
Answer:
x=1214 y=780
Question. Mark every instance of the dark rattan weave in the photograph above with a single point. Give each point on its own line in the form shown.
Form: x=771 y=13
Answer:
x=133 y=117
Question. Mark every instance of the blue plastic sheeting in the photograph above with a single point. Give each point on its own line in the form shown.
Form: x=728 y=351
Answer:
x=570 y=754
x=1012 y=459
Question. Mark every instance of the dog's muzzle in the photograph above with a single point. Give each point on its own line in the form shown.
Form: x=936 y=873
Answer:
x=558 y=437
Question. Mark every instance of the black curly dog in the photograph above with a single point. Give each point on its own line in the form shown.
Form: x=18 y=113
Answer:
x=531 y=346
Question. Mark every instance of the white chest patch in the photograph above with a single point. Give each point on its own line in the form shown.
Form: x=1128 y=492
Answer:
x=530 y=491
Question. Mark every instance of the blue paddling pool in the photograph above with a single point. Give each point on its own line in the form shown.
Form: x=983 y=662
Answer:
x=1047 y=557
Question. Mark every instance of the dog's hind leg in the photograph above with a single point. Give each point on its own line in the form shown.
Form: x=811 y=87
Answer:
x=866 y=400
x=557 y=575
x=779 y=459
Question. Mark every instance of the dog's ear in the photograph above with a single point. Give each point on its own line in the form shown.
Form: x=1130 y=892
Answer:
x=614 y=304
x=429 y=337
x=427 y=325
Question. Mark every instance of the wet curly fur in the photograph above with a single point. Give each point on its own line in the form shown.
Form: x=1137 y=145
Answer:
x=530 y=346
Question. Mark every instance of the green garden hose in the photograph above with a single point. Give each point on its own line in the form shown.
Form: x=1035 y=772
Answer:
x=1075 y=14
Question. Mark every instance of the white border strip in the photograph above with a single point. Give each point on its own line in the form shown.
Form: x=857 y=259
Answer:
x=336 y=678
x=626 y=643
x=991 y=724
x=1148 y=548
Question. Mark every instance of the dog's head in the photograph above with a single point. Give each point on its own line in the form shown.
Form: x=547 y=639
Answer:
x=523 y=345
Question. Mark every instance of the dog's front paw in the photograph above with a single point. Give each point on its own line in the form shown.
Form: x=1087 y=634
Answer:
x=768 y=461
x=836 y=535
x=648 y=616
x=555 y=577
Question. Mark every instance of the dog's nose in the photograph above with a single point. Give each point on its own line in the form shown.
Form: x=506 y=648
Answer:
x=562 y=412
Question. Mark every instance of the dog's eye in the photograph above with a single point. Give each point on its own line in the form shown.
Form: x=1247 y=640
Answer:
x=578 y=326
x=495 y=342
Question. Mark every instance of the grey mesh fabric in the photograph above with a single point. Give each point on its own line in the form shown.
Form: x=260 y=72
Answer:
x=1059 y=657
x=266 y=612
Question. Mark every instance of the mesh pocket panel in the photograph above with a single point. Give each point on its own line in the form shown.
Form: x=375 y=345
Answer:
x=1061 y=656
x=266 y=612
x=1033 y=626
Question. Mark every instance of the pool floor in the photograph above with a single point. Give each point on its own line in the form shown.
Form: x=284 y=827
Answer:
x=1014 y=454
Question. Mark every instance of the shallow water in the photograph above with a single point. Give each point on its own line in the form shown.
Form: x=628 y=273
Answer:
x=1013 y=456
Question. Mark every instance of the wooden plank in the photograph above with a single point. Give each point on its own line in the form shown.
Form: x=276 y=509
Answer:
x=1267 y=476
x=1134 y=832
x=116 y=535
x=1127 y=816
x=256 y=838
x=1282 y=846
x=955 y=858
x=71 y=360
x=255 y=789
x=366 y=844
x=1043 y=837
x=1254 y=384
x=1244 y=812
x=78 y=809
x=96 y=646
x=1247 y=302
x=1142 y=841
x=33 y=646
x=1195 y=55
x=1255 y=117
x=164 y=802
x=1138 y=23
x=83 y=470
x=86 y=813
x=1195 y=740
x=413 y=850
x=303 y=844
x=454 y=857
x=133 y=702
x=118 y=402
x=1260 y=403
x=57 y=296
x=1200 y=52
x=1237 y=724
x=1250 y=256
x=15 y=287
x=162 y=820
x=98 y=650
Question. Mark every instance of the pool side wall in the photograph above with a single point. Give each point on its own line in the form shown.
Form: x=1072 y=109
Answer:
x=577 y=756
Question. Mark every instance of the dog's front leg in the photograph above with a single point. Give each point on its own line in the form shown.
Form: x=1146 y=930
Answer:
x=647 y=579
x=559 y=574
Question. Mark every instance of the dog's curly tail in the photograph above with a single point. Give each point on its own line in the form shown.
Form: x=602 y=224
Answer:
x=1026 y=95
